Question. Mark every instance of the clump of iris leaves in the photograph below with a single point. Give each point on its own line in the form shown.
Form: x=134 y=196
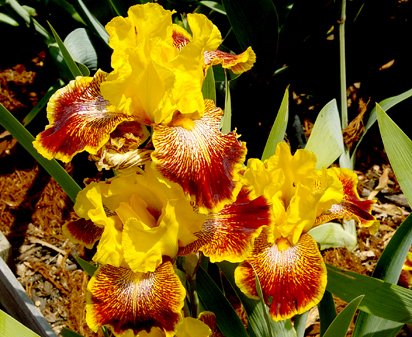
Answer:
x=375 y=304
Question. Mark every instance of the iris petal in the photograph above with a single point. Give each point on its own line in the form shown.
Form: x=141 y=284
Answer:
x=197 y=156
x=126 y=301
x=83 y=231
x=229 y=234
x=79 y=120
x=352 y=206
x=237 y=63
x=293 y=278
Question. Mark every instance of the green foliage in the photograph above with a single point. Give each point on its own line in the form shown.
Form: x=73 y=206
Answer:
x=263 y=24
x=11 y=327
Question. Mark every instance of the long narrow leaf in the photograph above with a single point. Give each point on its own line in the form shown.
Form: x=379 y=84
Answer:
x=71 y=64
x=227 y=117
x=388 y=268
x=41 y=104
x=255 y=23
x=340 y=324
x=386 y=104
x=398 y=147
x=255 y=310
x=277 y=133
x=23 y=136
x=209 y=85
x=212 y=299
x=10 y=327
x=382 y=299
x=327 y=312
x=91 y=19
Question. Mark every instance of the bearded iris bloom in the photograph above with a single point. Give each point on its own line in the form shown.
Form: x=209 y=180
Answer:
x=156 y=83
x=285 y=258
x=181 y=186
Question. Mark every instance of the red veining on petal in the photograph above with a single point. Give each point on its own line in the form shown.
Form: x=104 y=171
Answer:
x=237 y=63
x=229 y=234
x=79 y=120
x=137 y=301
x=352 y=206
x=179 y=40
x=293 y=280
x=83 y=231
x=202 y=160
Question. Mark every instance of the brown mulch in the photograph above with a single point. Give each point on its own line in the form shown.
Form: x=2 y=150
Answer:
x=33 y=209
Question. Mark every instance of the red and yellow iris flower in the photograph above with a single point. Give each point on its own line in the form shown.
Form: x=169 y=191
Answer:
x=181 y=186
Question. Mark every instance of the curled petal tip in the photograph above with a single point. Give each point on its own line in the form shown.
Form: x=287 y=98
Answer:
x=80 y=120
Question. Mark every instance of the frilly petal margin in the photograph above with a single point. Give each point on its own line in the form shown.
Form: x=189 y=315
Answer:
x=79 y=120
x=134 y=302
x=352 y=206
x=239 y=63
x=293 y=278
x=83 y=231
x=229 y=234
x=201 y=159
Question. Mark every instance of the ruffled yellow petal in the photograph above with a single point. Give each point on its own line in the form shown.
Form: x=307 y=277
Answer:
x=237 y=63
x=109 y=250
x=229 y=234
x=201 y=159
x=158 y=68
x=192 y=327
x=83 y=232
x=292 y=277
x=79 y=120
x=144 y=246
x=124 y=300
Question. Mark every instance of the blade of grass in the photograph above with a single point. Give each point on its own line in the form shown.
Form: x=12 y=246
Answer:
x=388 y=268
x=341 y=323
x=227 y=117
x=69 y=333
x=11 y=327
x=382 y=299
x=209 y=85
x=93 y=22
x=41 y=104
x=385 y=104
x=327 y=312
x=23 y=136
x=255 y=23
x=212 y=299
x=255 y=310
x=277 y=133
x=398 y=147
x=71 y=64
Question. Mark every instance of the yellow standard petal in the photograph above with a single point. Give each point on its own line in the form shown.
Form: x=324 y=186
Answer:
x=229 y=234
x=197 y=156
x=158 y=67
x=293 y=278
x=192 y=327
x=130 y=302
x=79 y=120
